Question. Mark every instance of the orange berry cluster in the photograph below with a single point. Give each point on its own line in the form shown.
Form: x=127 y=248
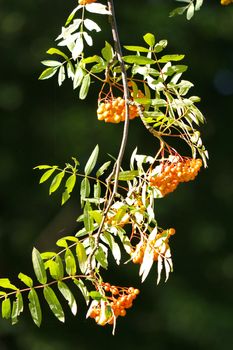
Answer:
x=85 y=2
x=138 y=253
x=113 y=111
x=226 y=2
x=172 y=173
x=120 y=300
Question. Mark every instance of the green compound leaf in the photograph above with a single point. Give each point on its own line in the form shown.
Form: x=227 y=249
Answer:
x=149 y=39
x=17 y=308
x=38 y=266
x=6 y=308
x=25 y=279
x=54 y=303
x=92 y=161
x=67 y=294
x=34 y=307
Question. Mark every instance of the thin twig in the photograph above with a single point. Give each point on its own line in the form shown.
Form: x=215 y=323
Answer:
x=117 y=166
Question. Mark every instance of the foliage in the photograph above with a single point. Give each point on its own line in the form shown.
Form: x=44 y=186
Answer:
x=118 y=206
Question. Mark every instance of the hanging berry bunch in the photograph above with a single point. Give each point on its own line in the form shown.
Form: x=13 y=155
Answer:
x=117 y=205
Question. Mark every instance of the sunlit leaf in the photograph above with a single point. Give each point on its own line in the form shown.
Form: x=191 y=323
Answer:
x=82 y=256
x=25 y=279
x=47 y=174
x=54 y=303
x=17 y=308
x=107 y=52
x=85 y=87
x=5 y=283
x=48 y=73
x=34 y=307
x=92 y=161
x=70 y=262
x=38 y=266
x=6 y=308
x=97 y=8
x=138 y=60
x=103 y=168
x=55 y=51
x=79 y=283
x=56 y=182
x=149 y=39
x=68 y=295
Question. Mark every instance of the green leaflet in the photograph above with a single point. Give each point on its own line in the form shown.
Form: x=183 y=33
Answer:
x=38 y=266
x=87 y=218
x=17 y=308
x=48 y=73
x=55 y=51
x=96 y=295
x=137 y=48
x=47 y=174
x=141 y=60
x=91 y=161
x=5 y=283
x=54 y=303
x=25 y=279
x=67 y=294
x=107 y=52
x=101 y=257
x=168 y=58
x=79 y=283
x=85 y=190
x=6 y=308
x=56 y=182
x=34 y=307
x=70 y=262
x=149 y=39
x=86 y=81
x=54 y=269
x=108 y=239
x=70 y=183
x=82 y=256
x=128 y=175
x=103 y=168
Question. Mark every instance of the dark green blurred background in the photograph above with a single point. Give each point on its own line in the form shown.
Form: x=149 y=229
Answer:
x=41 y=123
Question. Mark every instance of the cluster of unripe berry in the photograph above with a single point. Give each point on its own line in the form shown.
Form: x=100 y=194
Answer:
x=167 y=176
x=85 y=2
x=120 y=299
x=158 y=245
